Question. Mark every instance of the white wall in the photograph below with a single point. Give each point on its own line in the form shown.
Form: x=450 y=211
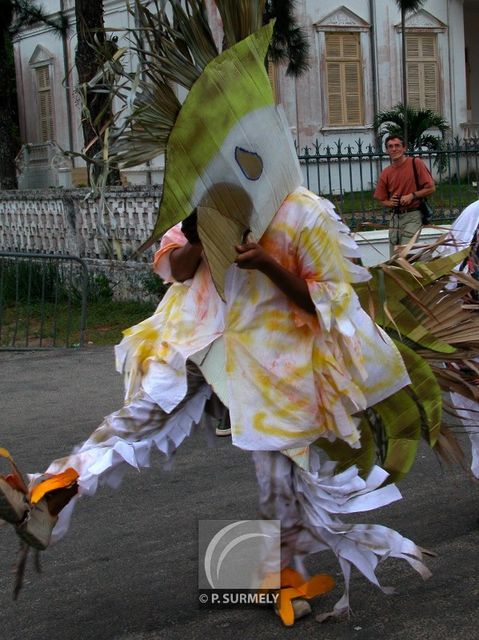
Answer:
x=471 y=23
x=374 y=245
x=302 y=98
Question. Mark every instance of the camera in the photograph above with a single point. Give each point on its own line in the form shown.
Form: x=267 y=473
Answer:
x=397 y=207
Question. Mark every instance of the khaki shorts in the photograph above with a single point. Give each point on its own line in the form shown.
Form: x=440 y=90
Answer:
x=402 y=227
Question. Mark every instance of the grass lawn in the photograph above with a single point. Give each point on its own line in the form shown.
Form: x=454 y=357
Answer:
x=361 y=206
x=46 y=325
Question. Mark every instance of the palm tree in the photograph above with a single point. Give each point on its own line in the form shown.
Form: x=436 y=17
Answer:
x=93 y=50
x=14 y=14
x=418 y=123
x=289 y=42
x=406 y=6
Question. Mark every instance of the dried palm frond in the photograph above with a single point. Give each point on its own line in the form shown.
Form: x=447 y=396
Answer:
x=240 y=18
x=428 y=309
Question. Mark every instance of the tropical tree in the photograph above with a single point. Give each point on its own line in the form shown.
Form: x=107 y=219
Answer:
x=419 y=124
x=14 y=14
x=406 y=6
x=174 y=48
x=93 y=50
x=290 y=43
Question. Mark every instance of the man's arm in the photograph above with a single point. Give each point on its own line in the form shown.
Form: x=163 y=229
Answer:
x=184 y=261
x=418 y=194
x=381 y=194
x=390 y=203
x=253 y=256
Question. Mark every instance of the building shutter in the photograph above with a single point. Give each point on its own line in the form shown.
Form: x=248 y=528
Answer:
x=344 y=79
x=45 y=103
x=422 y=71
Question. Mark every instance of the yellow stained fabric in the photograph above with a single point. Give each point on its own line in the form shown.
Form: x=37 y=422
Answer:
x=291 y=376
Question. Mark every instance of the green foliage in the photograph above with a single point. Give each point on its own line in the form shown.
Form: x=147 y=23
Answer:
x=290 y=42
x=30 y=282
x=99 y=288
x=419 y=123
x=154 y=285
x=409 y=5
x=22 y=281
x=24 y=13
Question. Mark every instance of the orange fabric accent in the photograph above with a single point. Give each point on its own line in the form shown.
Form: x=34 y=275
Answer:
x=59 y=481
x=161 y=252
x=319 y=584
x=285 y=607
x=298 y=587
x=291 y=578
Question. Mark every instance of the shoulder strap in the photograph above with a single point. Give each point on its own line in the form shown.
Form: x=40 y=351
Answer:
x=415 y=174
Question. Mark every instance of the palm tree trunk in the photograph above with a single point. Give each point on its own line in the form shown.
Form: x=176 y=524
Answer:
x=90 y=33
x=8 y=111
x=404 y=73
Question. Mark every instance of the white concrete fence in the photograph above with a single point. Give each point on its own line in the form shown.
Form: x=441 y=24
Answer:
x=65 y=221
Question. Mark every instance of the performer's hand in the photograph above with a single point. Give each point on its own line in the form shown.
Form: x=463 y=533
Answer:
x=252 y=256
x=189 y=228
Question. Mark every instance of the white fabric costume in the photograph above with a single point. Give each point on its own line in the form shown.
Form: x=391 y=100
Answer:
x=461 y=235
x=291 y=378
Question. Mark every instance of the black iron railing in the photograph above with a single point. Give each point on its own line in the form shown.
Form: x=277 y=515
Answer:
x=43 y=300
x=347 y=174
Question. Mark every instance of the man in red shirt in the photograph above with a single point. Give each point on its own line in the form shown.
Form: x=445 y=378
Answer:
x=399 y=190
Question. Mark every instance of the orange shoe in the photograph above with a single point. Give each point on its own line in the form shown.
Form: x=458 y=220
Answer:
x=47 y=499
x=34 y=512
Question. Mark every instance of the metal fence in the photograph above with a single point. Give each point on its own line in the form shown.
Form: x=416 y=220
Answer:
x=43 y=300
x=347 y=174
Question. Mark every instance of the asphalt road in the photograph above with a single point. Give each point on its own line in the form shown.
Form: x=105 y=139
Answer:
x=127 y=569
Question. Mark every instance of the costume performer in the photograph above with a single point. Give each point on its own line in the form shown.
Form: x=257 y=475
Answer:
x=263 y=312
x=293 y=375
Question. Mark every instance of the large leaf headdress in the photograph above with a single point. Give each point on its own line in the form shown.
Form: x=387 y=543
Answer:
x=228 y=147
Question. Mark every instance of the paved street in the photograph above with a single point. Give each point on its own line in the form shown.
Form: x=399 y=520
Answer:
x=127 y=569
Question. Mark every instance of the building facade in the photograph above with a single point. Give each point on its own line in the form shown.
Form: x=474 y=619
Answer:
x=355 y=71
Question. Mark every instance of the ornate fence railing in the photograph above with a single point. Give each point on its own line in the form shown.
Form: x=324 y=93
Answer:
x=347 y=175
x=43 y=300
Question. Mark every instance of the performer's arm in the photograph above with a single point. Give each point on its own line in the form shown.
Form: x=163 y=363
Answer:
x=253 y=256
x=184 y=261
